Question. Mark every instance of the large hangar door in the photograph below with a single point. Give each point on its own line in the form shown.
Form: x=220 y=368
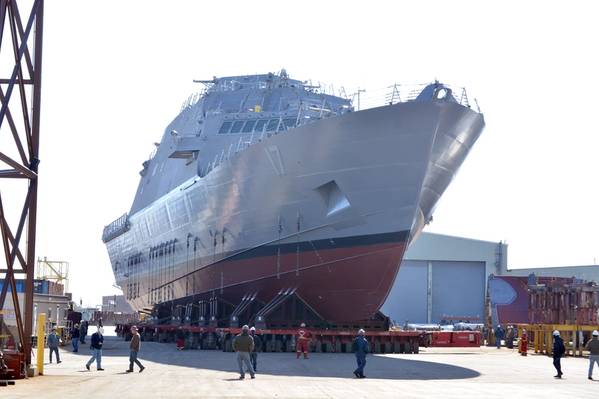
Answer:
x=407 y=299
x=458 y=290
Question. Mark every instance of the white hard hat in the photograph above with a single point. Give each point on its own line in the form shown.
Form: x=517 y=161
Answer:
x=252 y=328
x=245 y=327
x=361 y=332
x=555 y=333
x=303 y=325
x=595 y=333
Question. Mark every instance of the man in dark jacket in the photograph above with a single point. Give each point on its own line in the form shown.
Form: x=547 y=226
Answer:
x=96 y=347
x=244 y=345
x=360 y=348
x=257 y=346
x=499 y=333
x=134 y=347
x=558 y=351
x=75 y=338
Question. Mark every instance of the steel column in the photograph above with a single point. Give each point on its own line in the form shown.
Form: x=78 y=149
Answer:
x=24 y=126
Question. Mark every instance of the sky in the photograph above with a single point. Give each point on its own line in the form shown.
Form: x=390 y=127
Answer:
x=115 y=73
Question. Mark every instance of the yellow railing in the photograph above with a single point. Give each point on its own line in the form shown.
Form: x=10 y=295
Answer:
x=540 y=337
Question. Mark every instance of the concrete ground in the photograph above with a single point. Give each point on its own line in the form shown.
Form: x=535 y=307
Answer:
x=435 y=372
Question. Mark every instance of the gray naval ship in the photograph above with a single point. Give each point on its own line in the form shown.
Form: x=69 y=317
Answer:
x=265 y=185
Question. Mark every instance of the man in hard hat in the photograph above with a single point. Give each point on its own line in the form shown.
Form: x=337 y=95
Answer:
x=360 y=347
x=593 y=347
x=558 y=351
x=499 y=333
x=244 y=345
x=303 y=339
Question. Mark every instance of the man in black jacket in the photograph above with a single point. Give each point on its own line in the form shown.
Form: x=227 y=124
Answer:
x=96 y=347
x=558 y=351
x=257 y=346
x=75 y=338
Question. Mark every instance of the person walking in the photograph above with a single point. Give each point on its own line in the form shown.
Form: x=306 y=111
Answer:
x=257 y=345
x=558 y=351
x=53 y=341
x=303 y=339
x=96 y=347
x=499 y=333
x=134 y=347
x=361 y=348
x=243 y=344
x=593 y=347
x=75 y=333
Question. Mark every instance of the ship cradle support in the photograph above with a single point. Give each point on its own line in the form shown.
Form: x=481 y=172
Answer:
x=278 y=340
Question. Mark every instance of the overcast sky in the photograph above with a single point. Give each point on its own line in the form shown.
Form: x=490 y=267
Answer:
x=116 y=72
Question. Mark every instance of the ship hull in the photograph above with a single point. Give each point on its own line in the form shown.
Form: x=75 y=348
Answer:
x=327 y=208
x=340 y=281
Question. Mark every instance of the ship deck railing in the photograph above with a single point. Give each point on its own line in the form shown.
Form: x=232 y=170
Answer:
x=361 y=100
x=116 y=228
x=401 y=93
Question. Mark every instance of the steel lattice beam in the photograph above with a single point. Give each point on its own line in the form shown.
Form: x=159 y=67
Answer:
x=17 y=36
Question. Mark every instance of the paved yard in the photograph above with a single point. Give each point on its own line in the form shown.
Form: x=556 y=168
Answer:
x=439 y=372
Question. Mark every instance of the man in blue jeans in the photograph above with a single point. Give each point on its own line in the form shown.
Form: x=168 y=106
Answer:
x=96 y=347
x=75 y=338
x=53 y=341
x=360 y=347
x=134 y=348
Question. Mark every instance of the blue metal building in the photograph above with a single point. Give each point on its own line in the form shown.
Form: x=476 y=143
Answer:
x=444 y=278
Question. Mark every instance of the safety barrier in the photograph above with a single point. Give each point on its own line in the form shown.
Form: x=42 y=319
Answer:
x=540 y=337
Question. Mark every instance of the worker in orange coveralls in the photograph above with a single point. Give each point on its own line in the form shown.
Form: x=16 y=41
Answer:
x=303 y=339
x=523 y=349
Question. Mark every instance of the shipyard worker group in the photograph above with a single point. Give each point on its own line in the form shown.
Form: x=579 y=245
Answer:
x=247 y=344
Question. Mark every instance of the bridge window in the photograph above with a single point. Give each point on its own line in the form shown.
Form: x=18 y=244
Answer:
x=272 y=125
x=236 y=127
x=289 y=123
x=249 y=126
x=260 y=125
x=225 y=127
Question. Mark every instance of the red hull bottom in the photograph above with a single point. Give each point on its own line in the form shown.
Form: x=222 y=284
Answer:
x=340 y=284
